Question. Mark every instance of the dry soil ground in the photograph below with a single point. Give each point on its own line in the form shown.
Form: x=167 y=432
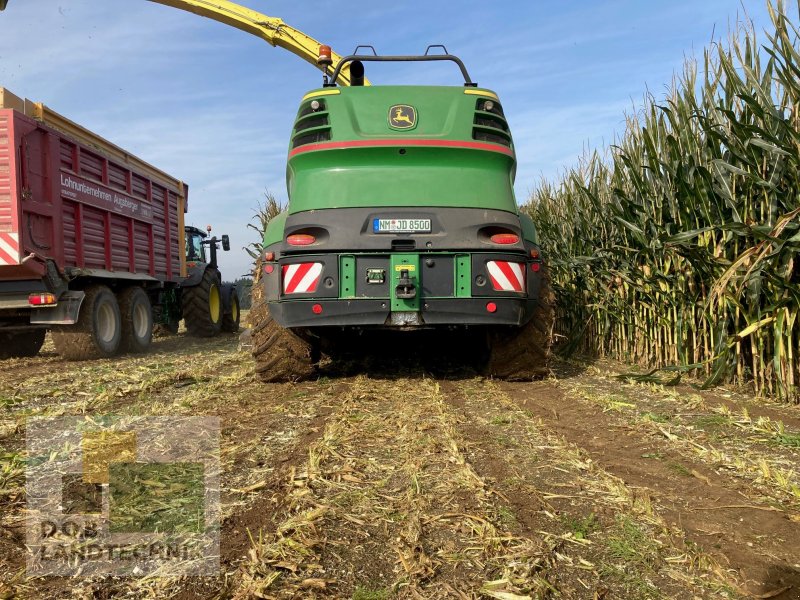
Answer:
x=416 y=478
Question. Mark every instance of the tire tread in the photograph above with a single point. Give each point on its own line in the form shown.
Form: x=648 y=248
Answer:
x=523 y=353
x=280 y=354
x=195 y=307
x=76 y=342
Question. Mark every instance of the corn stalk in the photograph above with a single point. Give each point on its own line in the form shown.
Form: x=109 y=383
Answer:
x=679 y=244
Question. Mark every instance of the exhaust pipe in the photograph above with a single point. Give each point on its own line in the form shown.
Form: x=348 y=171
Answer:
x=356 y=72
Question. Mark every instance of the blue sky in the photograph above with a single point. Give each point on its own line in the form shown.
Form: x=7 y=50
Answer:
x=214 y=106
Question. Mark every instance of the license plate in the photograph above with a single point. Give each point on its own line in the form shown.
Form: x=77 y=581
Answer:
x=401 y=225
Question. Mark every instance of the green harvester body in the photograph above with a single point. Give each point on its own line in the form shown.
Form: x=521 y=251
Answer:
x=398 y=195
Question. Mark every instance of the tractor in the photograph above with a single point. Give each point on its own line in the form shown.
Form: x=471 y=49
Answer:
x=206 y=304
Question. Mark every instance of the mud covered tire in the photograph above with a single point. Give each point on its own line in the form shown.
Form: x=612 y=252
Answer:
x=21 y=344
x=137 y=320
x=230 y=321
x=98 y=332
x=523 y=353
x=202 y=306
x=280 y=355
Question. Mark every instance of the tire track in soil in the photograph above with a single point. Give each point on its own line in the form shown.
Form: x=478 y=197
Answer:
x=167 y=348
x=758 y=546
x=262 y=507
x=50 y=386
x=24 y=380
x=387 y=502
x=249 y=416
x=732 y=435
x=553 y=491
x=429 y=478
x=261 y=515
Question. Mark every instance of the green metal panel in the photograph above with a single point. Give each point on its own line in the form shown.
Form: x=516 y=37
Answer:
x=528 y=228
x=390 y=171
x=463 y=285
x=400 y=262
x=443 y=112
x=347 y=276
x=356 y=177
x=274 y=231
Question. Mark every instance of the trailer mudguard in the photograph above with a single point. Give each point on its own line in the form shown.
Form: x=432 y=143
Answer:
x=64 y=313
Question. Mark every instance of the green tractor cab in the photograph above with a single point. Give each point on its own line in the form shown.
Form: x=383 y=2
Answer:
x=401 y=215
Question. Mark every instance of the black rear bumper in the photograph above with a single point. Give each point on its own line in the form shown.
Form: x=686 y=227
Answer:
x=435 y=312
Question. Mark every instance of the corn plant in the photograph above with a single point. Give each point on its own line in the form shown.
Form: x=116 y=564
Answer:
x=679 y=244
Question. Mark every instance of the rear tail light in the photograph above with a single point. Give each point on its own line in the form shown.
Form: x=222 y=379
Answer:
x=301 y=278
x=506 y=276
x=505 y=238
x=269 y=256
x=42 y=299
x=535 y=253
x=300 y=239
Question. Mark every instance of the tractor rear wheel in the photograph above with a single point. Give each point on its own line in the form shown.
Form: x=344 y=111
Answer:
x=230 y=321
x=280 y=354
x=98 y=332
x=202 y=306
x=137 y=320
x=523 y=353
x=21 y=344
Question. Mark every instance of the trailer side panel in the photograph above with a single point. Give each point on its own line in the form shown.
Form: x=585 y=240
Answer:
x=82 y=208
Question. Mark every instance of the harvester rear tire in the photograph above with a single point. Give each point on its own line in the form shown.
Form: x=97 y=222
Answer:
x=230 y=321
x=98 y=332
x=21 y=344
x=280 y=354
x=202 y=306
x=137 y=320
x=523 y=353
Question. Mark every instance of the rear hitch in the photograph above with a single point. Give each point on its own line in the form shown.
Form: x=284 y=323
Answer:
x=405 y=290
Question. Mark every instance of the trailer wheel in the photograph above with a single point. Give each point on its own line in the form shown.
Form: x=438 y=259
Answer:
x=523 y=353
x=202 y=306
x=280 y=354
x=21 y=344
x=98 y=332
x=230 y=321
x=137 y=320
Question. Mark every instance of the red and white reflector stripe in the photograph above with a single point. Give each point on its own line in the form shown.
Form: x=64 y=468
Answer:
x=9 y=248
x=301 y=278
x=506 y=276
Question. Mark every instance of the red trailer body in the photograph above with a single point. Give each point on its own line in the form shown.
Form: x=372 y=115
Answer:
x=83 y=208
x=93 y=244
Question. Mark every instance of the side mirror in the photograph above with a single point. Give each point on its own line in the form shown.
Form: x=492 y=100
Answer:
x=226 y=243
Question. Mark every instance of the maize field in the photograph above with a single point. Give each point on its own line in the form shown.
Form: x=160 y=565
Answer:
x=678 y=245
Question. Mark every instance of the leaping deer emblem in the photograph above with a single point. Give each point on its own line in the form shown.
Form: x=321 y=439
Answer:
x=399 y=117
x=402 y=116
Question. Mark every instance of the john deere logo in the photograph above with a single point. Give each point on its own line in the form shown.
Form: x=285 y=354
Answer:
x=402 y=116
